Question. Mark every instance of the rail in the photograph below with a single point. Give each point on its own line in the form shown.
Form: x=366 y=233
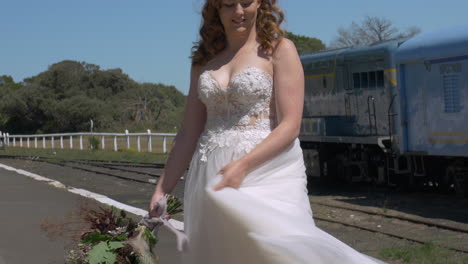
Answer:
x=68 y=140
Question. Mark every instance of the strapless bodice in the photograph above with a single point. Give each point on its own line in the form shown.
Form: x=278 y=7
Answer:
x=238 y=114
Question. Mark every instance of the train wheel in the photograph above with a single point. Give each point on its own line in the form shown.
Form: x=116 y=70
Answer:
x=311 y=162
x=446 y=182
x=461 y=185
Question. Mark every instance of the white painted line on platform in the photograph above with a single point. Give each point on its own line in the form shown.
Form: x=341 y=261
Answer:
x=85 y=193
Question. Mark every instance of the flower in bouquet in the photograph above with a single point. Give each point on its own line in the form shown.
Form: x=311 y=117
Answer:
x=115 y=238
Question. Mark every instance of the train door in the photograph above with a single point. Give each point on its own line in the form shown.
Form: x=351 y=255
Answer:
x=447 y=119
x=350 y=101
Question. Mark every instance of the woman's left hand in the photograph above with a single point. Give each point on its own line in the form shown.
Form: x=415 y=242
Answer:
x=233 y=175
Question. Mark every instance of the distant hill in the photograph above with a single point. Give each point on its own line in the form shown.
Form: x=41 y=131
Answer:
x=69 y=93
x=304 y=44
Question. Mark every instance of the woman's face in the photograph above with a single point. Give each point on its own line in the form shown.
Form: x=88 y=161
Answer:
x=238 y=15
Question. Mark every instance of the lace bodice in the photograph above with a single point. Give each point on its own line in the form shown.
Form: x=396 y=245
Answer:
x=239 y=115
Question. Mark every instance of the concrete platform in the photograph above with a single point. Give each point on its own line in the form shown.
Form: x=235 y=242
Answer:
x=26 y=204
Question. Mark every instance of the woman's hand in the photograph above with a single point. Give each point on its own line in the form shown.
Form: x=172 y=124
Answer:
x=233 y=175
x=154 y=210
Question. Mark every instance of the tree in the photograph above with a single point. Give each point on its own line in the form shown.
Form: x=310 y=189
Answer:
x=371 y=30
x=305 y=44
x=153 y=105
x=69 y=93
x=6 y=80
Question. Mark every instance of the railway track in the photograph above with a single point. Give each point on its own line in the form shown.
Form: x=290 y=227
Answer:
x=96 y=167
x=139 y=172
x=414 y=223
x=97 y=162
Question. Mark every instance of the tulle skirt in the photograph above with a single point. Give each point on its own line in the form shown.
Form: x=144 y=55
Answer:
x=267 y=220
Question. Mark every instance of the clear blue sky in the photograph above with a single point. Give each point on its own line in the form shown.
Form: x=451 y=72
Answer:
x=151 y=40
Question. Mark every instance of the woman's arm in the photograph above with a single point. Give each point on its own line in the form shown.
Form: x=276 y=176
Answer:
x=184 y=143
x=289 y=95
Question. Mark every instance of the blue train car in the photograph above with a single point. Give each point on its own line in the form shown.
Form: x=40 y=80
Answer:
x=433 y=77
x=348 y=93
x=349 y=105
x=390 y=111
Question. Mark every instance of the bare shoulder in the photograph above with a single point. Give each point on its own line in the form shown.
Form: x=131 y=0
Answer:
x=284 y=49
x=195 y=71
x=285 y=58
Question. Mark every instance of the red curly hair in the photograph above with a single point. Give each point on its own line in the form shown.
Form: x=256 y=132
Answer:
x=212 y=37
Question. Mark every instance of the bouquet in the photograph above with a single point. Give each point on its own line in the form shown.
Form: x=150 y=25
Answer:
x=115 y=238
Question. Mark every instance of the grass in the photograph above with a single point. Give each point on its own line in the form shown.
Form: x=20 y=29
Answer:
x=128 y=155
x=423 y=254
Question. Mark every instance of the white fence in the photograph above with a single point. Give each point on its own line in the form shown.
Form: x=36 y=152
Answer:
x=142 y=141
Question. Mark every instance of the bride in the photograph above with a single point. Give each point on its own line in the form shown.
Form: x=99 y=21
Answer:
x=245 y=195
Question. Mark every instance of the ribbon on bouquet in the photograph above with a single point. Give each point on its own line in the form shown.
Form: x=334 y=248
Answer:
x=153 y=223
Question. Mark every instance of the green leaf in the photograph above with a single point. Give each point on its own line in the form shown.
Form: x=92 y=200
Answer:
x=102 y=253
x=122 y=237
x=96 y=237
x=113 y=245
x=173 y=205
x=152 y=240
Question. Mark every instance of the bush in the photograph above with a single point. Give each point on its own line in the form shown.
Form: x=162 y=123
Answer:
x=94 y=143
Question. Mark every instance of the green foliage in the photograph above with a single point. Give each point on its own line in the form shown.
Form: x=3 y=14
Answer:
x=152 y=240
x=104 y=253
x=95 y=237
x=305 y=44
x=94 y=143
x=104 y=155
x=174 y=205
x=66 y=96
x=6 y=80
x=424 y=254
x=115 y=238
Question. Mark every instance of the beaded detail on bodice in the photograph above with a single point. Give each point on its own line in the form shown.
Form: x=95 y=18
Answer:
x=238 y=116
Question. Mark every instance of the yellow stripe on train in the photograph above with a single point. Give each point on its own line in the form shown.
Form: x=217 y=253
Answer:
x=320 y=75
x=389 y=73
x=391 y=76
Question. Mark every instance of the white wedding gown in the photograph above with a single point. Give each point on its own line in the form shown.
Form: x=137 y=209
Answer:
x=268 y=219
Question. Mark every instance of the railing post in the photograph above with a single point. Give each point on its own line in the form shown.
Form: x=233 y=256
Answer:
x=28 y=141
x=21 y=141
x=61 y=142
x=103 y=142
x=115 y=143
x=164 y=144
x=52 y=142
x=8 y=139
x=138 y=144
x=14 y=142
x=127 y=138
x=150 y=144
x=71 y=142
x=43 y=142
x=35 y=142
x=81 y=142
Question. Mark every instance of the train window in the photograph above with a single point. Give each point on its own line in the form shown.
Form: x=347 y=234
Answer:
x=356 y=80
x=372 y=79
x=364 y=80
x=380 y=79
